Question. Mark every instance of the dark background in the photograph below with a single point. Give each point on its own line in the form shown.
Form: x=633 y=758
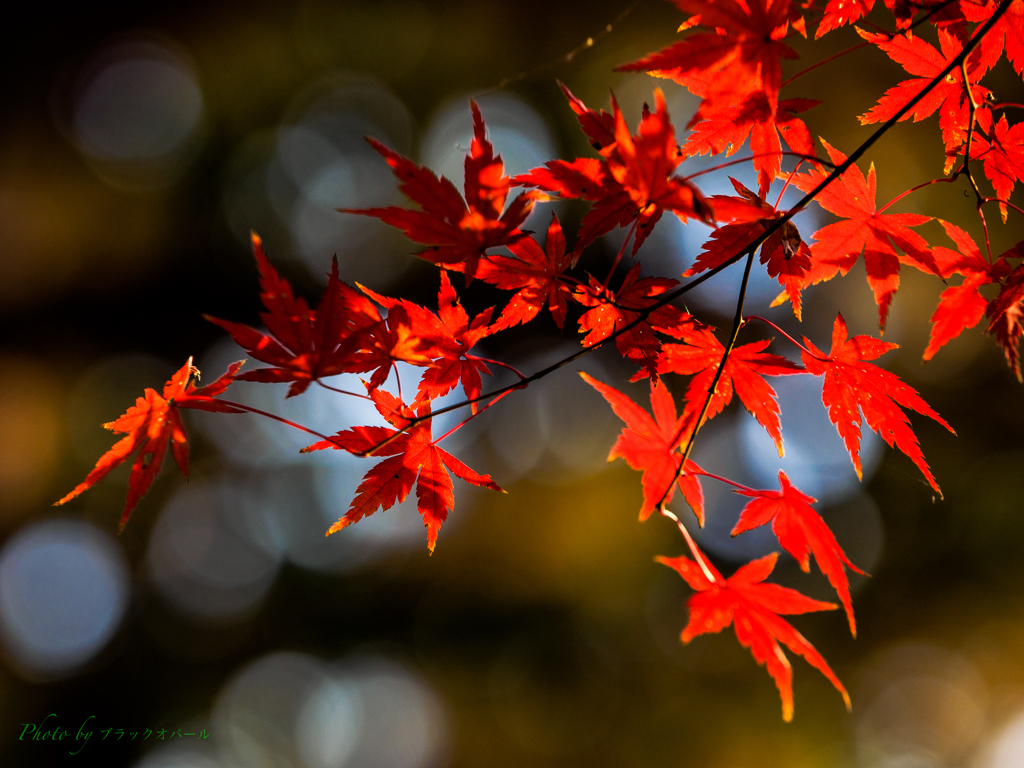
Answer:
x=540 y=632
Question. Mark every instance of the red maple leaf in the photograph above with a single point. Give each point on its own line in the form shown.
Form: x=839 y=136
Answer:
x=961 y=306
x=458 y=231
x=1007 y=313
x=651 y=445
x=413 y=458
x=736 y=72
x=1007 y=34
x=742 y=56
x=801 y=531
x=728 y=125
x=753 y=608
x=537 y=276
x=1003 y=158
x=785 y=253
x=633 y=182
x=153 y=424
x=304 y=345
x=446 y=338
x=867 y=230
x=854 y=387
x=839 y=13
x=949 y=97
x=614 y=310
x=598 y=125
x=702 y=353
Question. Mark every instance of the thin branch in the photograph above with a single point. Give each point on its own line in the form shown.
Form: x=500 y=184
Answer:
x=622 y=249
x=972 y=106
x=737 y=323
x=786 y=185
x=811 y=68
x=565 y=57
x=398 y=380
x=797 y=343
x=343 y=391
x=1004 y=202
x=900 y=196
x=721 y=479
x=972 y=109
x=250 y=409
x=671 y=296
x=468 y=419
x=697 y=554
x=720 y=166
x=512 y=368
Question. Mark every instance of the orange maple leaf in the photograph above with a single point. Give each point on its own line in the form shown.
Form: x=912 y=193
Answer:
x=865 y=229
x=854 y=386
x=413 y=459
x=801 y=531
x=150 y=426
x=633 y=182
x=753 y=609
x=651 y=446
x=535 y=273
x=306 y=345
x=744 y=373
x=458 y=231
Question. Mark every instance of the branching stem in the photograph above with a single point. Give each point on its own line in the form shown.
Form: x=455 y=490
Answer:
x=1007 y=203
x=737 y=323
x=671 y=296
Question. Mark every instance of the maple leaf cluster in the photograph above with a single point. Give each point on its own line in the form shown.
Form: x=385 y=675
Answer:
x=730 y=58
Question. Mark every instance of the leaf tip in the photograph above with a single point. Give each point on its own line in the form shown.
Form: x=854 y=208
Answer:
x=342 y=523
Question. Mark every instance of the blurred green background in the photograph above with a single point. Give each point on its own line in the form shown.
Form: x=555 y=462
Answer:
x=139 y=146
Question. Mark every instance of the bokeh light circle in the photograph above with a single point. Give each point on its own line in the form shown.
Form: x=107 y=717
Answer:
x=362 y=712
x=63 y=592
x=210 y=554
x=137 y=114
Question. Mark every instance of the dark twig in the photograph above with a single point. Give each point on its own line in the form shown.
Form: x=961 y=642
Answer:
x=671 y=296
x=737 y=323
